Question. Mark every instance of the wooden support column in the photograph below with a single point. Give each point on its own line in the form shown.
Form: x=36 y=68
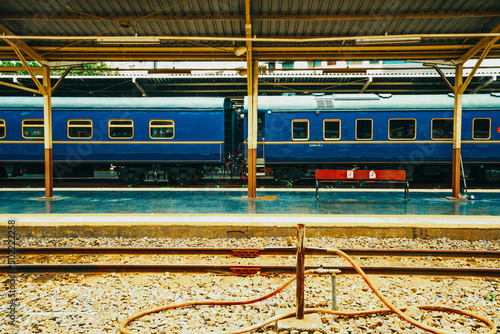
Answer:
x=47 y=124
x=252 y=109
x=252 y=132
x=457 y=131
x=255 y=107
x=459 y=90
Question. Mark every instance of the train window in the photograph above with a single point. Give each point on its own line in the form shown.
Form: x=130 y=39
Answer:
x=364 y=129
x=442 y=128
x=80 y=128
x=402 y=129
x=481 y=128
x=161 y=129
x=331 y=129
x=33 y=128
x=2 y=128
x=300 y=129
x=120 y=128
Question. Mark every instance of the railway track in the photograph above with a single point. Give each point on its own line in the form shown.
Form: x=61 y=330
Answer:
x=237 y=269
x=249 y=252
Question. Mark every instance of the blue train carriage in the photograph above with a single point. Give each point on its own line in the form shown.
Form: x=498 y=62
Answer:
x=298 y=134
x=154 y=138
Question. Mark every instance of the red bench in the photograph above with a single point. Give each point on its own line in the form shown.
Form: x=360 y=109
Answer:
x=362 y=176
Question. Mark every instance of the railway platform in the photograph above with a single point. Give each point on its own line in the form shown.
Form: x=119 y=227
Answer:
x=221 y=213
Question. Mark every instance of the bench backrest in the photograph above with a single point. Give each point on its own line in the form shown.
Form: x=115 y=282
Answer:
x=360 y=174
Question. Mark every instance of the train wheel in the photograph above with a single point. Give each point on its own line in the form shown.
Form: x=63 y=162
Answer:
x=184 y=176
x=131 y=176
x=492 y=174
x=284 y=175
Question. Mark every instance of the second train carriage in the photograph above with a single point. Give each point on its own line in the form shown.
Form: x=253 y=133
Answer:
x=158 y=138
x=298 y=134
x=181 y=138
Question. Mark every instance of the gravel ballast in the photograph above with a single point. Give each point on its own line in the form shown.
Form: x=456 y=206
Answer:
x=73 y=303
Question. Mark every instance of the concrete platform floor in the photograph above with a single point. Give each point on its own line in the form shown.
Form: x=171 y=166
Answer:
x=230 y=201
x=221 y=213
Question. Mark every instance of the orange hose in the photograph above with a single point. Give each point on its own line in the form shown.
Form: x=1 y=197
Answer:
x=391 y=308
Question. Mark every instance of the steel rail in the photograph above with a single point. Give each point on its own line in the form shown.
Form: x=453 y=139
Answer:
x=250 y=252
x=238 y=269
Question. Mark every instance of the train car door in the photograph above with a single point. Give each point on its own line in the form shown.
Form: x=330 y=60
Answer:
x=261 y=139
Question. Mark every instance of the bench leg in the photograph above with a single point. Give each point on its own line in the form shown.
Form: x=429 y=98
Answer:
x=317 y=188
x=407 y=191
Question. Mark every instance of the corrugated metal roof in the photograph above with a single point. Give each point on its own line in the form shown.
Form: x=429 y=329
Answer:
x=285 y=18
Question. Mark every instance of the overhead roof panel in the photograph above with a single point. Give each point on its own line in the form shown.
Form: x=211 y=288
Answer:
x=226 y=18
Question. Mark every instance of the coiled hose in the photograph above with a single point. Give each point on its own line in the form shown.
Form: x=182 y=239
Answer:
x=390 y=308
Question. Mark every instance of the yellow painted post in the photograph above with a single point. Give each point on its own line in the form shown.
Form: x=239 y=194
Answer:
x=47 y=124
x=255 y=95
x=251 y=132
x=457 y=132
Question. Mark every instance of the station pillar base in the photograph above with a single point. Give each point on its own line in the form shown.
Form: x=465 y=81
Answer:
x=457 y=199
x=310 y=324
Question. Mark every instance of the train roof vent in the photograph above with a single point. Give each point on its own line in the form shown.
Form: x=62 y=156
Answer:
x=325 y=103
x=385 y=96
x=495 y=94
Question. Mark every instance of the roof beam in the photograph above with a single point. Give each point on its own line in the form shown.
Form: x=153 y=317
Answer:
x=37 y=70
x=31 y=90
x=441 y=74
x=365 y=86
x=476 y=67
x=23 y=46
x=256 y=55
x=480 y=45
x=262 y=17
x=41 y=88
x=177 y=49
x=139 y=87
x=61 y=78
x=149 y=39
x=484 y=85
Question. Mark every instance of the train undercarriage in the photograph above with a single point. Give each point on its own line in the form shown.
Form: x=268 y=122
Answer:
x=190 y=174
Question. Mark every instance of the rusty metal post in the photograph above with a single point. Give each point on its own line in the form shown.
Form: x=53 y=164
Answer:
x=301 y=256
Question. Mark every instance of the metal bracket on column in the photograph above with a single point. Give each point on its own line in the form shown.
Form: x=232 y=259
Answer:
x=27 y=66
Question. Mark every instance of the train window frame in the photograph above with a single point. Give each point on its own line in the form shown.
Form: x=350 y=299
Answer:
x=91 y=126
x=42 y=125
x=432 y=129
x=401 y=119
x=162 y=126
x=121 y=126
x=474 y=126
x=3 y=127
x=324 y=129
x=356 y=128
x=308 y=130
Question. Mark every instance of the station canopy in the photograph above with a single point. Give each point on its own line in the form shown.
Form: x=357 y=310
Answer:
x=69 y=32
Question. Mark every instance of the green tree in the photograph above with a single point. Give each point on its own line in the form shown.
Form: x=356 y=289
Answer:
x=18 y=64
x=86 y=69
